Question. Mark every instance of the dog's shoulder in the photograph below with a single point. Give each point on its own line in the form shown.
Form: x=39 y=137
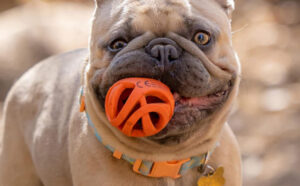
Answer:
x=40 y=107
x=49 y=75
x=48 y=89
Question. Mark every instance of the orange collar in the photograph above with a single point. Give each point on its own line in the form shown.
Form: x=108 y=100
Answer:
x=158 y=169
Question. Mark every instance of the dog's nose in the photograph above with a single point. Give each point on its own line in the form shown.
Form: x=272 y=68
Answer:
x=164 y=50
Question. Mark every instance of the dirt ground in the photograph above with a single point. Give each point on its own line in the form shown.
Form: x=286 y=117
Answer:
x=266 y=36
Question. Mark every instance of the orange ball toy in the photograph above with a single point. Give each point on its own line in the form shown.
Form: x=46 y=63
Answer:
x=139 y=107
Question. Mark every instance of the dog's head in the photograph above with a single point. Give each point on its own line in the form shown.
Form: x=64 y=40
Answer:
x=186 y=44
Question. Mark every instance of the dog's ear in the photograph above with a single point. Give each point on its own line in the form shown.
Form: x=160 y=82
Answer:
x=227 y=5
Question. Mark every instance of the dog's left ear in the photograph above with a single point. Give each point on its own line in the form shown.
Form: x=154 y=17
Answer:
x=227 y=5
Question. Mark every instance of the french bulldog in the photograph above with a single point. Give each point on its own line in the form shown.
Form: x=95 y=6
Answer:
x=185 y=44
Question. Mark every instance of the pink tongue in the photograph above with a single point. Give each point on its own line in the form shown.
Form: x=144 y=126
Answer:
x=197 y=101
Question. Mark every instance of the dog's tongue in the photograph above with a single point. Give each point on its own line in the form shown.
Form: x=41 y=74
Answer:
x=203 y=101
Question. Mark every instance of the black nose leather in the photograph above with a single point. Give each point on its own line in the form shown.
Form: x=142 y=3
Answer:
x=164 y=50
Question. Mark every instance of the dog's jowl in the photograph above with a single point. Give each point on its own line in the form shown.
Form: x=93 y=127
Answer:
x=185 y=46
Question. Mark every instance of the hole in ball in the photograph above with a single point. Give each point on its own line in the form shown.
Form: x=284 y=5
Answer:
x=152 y=99
x=138 y=125
x=123 y=98
x=154 y=118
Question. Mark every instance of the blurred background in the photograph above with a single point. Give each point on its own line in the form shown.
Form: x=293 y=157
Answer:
x=266 y=35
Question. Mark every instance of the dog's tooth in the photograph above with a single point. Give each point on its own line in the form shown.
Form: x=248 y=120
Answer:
x=218 y=94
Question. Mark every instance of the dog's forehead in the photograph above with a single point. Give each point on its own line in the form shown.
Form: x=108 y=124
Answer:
x=116 y=18
x=158 y=16
x=161 y=16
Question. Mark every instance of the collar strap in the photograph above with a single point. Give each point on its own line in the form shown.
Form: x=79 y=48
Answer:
x=173 y=169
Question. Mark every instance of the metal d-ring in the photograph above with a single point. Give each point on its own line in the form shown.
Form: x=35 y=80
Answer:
x=205 y=169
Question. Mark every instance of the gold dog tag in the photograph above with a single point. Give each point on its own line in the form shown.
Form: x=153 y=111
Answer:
x=216 y=179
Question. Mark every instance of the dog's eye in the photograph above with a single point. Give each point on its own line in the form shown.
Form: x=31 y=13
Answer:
x=202 y=38
x=117 y=45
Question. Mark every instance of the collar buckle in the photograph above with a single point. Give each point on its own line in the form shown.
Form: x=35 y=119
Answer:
x=163 y=169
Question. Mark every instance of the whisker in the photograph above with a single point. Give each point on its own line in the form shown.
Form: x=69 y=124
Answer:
x=240 y=29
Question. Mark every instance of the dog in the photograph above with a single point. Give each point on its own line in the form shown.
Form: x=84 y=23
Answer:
x=186 y=44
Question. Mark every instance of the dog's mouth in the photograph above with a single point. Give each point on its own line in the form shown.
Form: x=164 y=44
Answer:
x=203 y=102
x=190 y=113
